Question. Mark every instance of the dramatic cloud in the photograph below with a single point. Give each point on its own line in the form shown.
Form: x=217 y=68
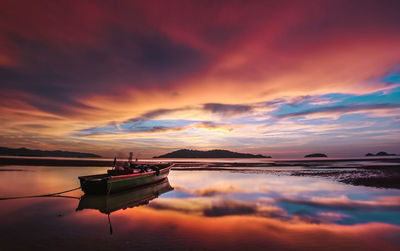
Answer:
x=227 y=110
x=151 y=115
x=205 y=74
x=340 y=109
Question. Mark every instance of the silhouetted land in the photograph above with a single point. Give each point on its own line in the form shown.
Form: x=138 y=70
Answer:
x=315 y=155
x=5 y=161
x=380 y=154
x=5 y=151
x=185 y=153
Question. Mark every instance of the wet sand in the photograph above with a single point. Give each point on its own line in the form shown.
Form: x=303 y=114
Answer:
x=380 y=177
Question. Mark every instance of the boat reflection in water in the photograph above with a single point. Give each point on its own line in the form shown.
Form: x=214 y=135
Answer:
x=107 y=204
x=127 y=199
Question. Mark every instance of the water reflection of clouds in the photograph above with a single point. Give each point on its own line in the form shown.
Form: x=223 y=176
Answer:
x=211 y=191
x=212 y=210
x=381 y=209
x=285 y=185
x=150 y=229
x=216 y=207
x=305 y=199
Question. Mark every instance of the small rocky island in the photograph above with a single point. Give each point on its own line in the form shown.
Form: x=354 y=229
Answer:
x=316 y=155
x=5 y=151
x=185 y=153
x=380 y=154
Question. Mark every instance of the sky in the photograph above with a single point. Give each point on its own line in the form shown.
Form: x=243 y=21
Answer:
x=280 y=78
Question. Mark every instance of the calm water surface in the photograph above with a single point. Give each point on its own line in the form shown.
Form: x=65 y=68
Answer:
x=206 y=210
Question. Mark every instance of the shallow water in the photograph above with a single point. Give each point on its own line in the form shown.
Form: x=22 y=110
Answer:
x=207 y=210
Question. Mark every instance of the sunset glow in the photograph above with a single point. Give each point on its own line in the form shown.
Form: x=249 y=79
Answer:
x=281 y=78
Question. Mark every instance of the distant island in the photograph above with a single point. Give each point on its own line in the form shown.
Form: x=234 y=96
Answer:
x=380 y=154
x=185 y=153
x=315 y=155
x=5 y=151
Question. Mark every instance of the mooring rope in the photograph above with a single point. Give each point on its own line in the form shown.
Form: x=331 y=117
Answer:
x=42 y=195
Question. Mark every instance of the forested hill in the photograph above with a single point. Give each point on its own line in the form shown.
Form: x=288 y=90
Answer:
x=185 y=153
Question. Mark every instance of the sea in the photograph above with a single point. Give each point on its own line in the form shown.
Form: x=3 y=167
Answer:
x=245 y=207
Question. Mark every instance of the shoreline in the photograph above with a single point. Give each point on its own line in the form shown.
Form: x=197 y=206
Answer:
x=43 y=161
x=376 y=172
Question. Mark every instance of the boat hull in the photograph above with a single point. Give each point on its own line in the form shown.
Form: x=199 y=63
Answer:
x=125 y=199
x=106 y=184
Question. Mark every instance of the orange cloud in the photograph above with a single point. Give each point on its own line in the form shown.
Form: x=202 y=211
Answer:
x=71 y=66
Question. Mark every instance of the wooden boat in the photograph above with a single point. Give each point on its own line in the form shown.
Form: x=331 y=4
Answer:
x=126 y=199
x=120 y=180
